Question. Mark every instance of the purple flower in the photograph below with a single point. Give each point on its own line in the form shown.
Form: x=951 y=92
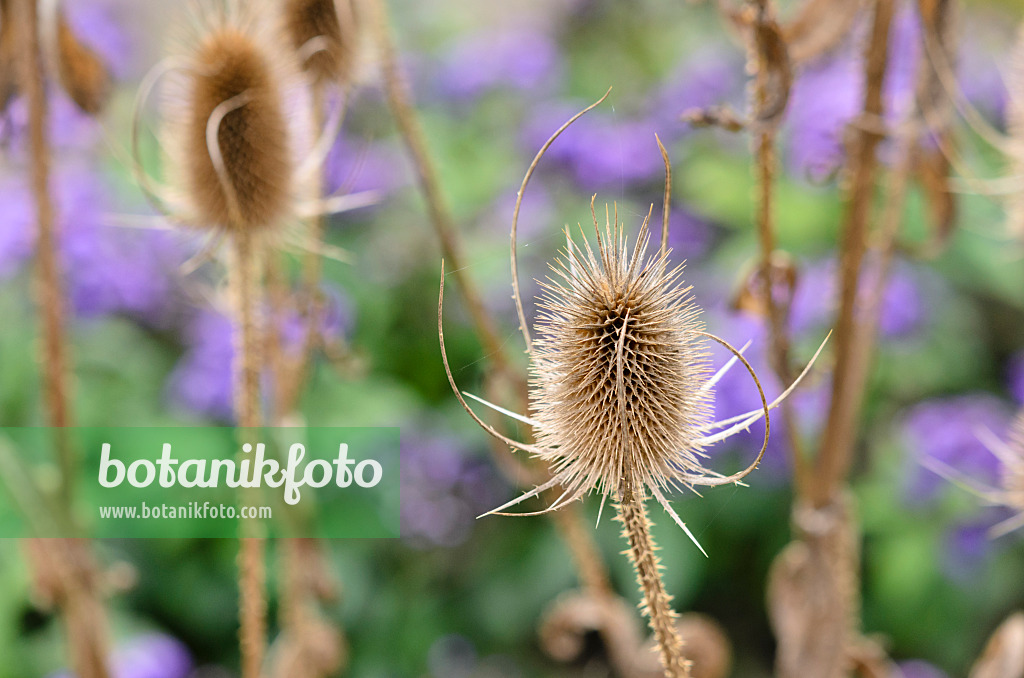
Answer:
x=707 y=77
x=148 y=656
x=513 y=59
x=201 y=382
x=825 y=97
x=689 y=235
x=444 y=488
x=107 y=269
x=599 y=150
x=967 y=546
x=915 y=668
x=355 y=166
x=903 y=311
x=945 y=429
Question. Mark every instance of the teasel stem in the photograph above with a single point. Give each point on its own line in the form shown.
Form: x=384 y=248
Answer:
x=246 y=281
x=411 y=130
x=765 y=163
x=63 y=568
x=835 y=457
x=636 y=528
x=48 y=275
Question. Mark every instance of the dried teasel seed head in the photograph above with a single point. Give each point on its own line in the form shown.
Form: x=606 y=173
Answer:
x=618 y=368
x=325 y=34
x=82 y=72
x=227 y=134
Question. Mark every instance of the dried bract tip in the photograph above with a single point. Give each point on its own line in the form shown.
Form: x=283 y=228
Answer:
x=618 y=369
x=83 y=75
x=227 y=135
x=325 y=34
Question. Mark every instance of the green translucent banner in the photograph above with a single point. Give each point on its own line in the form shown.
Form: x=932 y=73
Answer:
x=200 y=482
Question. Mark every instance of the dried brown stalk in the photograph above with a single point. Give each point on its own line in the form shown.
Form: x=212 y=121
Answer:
x=426 y=174
x=65 y=574
x=836 y=454
x=770 y=93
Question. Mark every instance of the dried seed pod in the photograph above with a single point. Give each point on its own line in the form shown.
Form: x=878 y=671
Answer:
x=83 y=75
x=226 y=131
x=618 y=369
x=325 y=34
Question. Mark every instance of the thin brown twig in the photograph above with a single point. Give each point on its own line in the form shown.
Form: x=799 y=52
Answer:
x=63 y=567
x=411 y=131
x=765 y=163
x=836 y=453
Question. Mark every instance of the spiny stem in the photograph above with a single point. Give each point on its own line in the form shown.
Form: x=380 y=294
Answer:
x=657 y=603
x=246 y=279
x=837 y=442
x=63 y=566
x=412 y=134
x=48 y=275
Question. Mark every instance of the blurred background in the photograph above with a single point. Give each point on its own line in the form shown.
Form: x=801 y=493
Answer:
x=457 y=597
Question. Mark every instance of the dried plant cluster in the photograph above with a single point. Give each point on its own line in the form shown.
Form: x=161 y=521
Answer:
x=618 y=369
x=228 y=140
x=326 y=36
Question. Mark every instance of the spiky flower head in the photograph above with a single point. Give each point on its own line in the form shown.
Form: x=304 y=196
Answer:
x=227 y=137
x=618 y=368
x=325 y=34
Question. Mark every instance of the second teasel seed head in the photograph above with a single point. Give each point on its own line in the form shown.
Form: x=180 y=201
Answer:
x=325 y=35
x=227 y=133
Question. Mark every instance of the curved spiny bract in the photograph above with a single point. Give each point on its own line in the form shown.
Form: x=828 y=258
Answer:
x=227 y=135
x=325 y=33
x=617 y=369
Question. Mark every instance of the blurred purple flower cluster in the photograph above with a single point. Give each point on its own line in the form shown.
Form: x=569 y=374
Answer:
x=444 y=488
x=201 y=382
x=108 y=269
x=903 y=313
x=946 y=429
x=148 y=656
x=516 y=59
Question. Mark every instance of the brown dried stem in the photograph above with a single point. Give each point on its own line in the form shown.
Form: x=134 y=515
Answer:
x=48 y=275
x=657 y=603
x=246 y=281
x=835 y=457
x=64 y=571
x=409 y=127
x=766 y=54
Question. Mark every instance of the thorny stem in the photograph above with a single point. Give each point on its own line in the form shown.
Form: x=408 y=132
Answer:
x=426 y=174
x=246 y=281
x=63 y=567
x=48 y=275
x=657 y=603
x=765 y=162
x=835 y=457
